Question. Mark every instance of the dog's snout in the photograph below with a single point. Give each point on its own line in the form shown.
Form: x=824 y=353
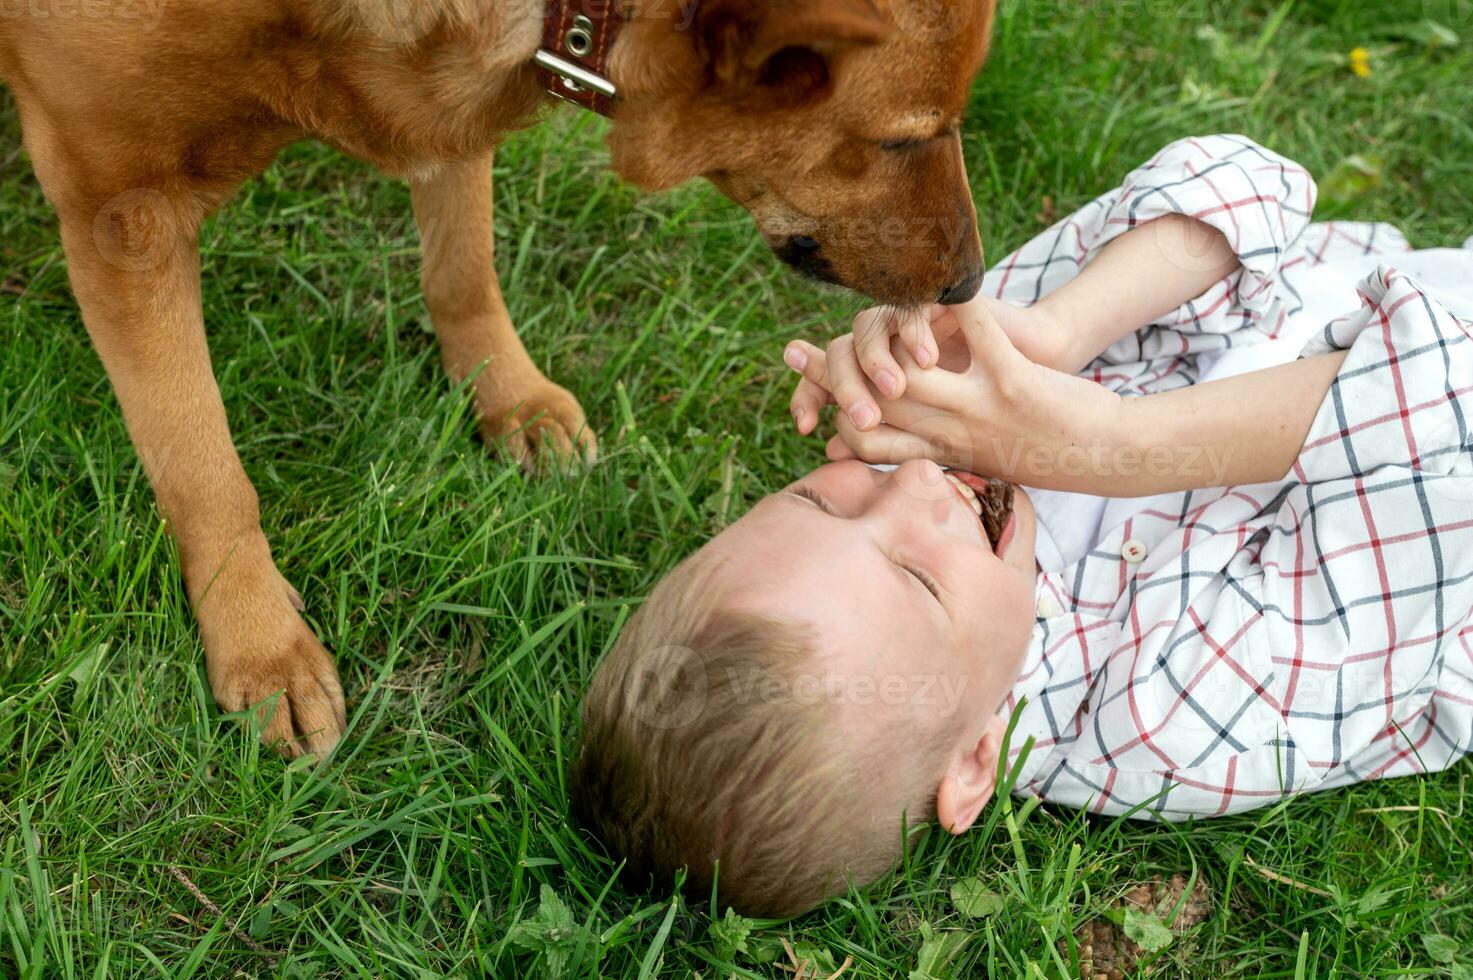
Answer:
x=963 y=291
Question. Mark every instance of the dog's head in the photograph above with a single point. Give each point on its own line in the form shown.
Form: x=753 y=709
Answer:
x=833 y=122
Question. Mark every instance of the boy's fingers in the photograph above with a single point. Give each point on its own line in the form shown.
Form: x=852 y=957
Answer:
x=918 y=336
x=849 y=387
x=940 y=438
x=808 y=401
x=943 y=321
x=812 y=391
x=806 y=359
x=872 y=332
x=885 y=444
x=837 y=372
x=928 y=389
x=837 y=450
x=991 y=349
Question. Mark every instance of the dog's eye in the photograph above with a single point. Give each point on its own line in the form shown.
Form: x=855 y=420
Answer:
x=907 y=143
x=901 y=146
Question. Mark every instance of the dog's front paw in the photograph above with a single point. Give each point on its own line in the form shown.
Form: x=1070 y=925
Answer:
x=259 y=653
x=546 y=424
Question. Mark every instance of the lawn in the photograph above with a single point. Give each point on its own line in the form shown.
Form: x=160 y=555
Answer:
x=467 y=603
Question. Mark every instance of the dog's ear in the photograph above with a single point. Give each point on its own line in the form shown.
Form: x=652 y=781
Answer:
x=761 y=41
x=774 y=44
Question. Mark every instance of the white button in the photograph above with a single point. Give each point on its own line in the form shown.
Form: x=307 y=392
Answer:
x=1133 y=551
x=1048 y=607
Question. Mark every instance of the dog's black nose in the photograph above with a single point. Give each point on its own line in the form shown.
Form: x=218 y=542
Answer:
x=963 y=291
x=799 y=251
x=806 y=255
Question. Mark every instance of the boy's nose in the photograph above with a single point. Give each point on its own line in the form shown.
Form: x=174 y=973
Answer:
x=923 y=469
x=917 y=481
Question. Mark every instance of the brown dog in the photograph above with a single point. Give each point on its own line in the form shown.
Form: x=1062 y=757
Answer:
x=834 y=122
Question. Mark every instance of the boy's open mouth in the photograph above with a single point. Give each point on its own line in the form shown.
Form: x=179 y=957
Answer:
x=996 y=497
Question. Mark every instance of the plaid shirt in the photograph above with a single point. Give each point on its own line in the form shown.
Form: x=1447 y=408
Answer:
x=1222 y=649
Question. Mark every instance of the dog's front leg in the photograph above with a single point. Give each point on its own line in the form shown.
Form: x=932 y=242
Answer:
x=135 y=269
x=477 y=340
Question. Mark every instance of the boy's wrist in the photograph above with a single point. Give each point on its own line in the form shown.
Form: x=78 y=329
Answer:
x=1105 y=450
x=1062 y=323
x=1068 y=434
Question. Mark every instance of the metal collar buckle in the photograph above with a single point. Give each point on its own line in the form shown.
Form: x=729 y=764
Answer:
x=575 y=49
x=575 y=78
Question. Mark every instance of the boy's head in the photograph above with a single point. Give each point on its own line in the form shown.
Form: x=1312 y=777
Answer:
x=824 y=672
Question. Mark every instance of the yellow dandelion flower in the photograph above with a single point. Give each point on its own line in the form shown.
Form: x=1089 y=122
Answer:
x=1360 y=62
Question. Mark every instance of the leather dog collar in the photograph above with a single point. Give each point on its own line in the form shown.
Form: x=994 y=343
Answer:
x=577 y=36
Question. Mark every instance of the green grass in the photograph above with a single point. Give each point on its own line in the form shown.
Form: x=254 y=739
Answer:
x=468 y=603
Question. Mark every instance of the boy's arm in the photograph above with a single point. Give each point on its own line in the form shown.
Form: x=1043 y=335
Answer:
x=1137 y=278
x=1134 y=280
x=1242 y=430
x=1006 y=416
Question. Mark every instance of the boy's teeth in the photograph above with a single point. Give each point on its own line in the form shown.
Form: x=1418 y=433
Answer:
x=994 y=502
x=967 y=492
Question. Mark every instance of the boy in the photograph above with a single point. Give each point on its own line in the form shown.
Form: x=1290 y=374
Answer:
x=845 y=659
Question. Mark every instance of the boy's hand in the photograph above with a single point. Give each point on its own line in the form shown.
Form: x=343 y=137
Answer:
x=1145 y=273
x=867 y=357
x=1039 y=334
x=865 y=363
x=992 y=415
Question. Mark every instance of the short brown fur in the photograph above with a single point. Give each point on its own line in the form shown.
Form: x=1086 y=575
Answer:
x=142 y=122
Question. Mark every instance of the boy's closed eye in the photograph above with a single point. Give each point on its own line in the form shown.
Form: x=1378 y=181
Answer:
x=924 y=579
x=812 y=496
x=929 y=583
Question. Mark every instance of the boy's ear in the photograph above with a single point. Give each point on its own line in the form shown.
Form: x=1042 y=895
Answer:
x=971 y=780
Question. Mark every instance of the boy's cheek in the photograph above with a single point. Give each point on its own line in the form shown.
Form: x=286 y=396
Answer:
x=1021 y=615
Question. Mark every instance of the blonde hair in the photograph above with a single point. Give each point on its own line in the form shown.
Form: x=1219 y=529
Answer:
x=691 y=759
